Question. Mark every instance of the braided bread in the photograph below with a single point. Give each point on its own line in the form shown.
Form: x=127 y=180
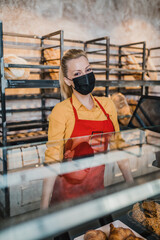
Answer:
x=119 y=233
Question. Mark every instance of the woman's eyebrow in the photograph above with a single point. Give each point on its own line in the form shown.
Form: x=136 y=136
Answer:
x=79 y=70
x=76 y=70
x=88 y=66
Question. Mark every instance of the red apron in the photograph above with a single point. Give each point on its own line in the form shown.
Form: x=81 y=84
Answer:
x=81 y=182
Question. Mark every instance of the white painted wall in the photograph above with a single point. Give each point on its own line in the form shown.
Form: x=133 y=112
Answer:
x=124 y=21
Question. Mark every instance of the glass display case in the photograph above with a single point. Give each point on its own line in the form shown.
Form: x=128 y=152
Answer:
x=114 y=178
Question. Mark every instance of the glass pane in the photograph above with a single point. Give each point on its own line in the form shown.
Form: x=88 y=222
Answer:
x=58 y=185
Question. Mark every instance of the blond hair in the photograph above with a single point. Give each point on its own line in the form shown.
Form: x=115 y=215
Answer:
x=66 y=91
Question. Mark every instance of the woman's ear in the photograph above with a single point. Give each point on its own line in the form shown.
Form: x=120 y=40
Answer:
x=67 y=81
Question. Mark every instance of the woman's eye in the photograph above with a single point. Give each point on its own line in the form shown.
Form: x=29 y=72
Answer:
x=77 y=74
x=89 y=69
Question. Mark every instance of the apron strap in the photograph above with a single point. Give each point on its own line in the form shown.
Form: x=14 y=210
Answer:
x=76 y=115
x=74 y=110
x=106 y=114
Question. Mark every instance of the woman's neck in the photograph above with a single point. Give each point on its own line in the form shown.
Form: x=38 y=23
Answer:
x=86 y=100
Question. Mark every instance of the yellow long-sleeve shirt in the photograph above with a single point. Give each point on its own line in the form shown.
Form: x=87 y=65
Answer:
x=62 y=121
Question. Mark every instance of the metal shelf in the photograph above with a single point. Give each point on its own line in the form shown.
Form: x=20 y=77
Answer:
x=32 y=84
x=9 y=65
x=136 y=83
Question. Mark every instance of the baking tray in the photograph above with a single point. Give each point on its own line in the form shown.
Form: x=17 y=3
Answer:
x=106 y=229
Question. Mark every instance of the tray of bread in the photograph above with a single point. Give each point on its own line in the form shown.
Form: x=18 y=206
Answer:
x=146 y=214
x=113 y=231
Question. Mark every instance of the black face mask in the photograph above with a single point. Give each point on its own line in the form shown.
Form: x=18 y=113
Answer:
x=85 y=83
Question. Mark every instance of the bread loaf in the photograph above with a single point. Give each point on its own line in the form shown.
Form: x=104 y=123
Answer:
x=95 y=235
x=150 y=66
x=15 y=73
x=132 y=64
x=52 y=57
x=122 y=107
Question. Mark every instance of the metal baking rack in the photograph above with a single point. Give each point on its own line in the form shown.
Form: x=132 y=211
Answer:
x=154 y=54
x=9 y=130
x=112 y=72
x=98 y=54
x=113 y=66
x=108 y=67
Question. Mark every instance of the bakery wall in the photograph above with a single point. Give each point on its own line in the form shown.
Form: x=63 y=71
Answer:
x=124 y=21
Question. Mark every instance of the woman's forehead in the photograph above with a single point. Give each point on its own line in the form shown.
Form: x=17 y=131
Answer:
x=78 y=63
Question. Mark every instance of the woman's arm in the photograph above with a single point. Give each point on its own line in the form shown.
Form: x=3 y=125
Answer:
x=51 y=171
x=54 y=152
x=47 y=190
x=118 y=142
x=124 y=166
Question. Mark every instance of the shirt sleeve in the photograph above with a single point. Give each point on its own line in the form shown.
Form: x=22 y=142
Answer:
x=56 y=130
x=113 y=115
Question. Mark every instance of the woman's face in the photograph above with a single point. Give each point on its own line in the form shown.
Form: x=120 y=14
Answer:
x=76 y=68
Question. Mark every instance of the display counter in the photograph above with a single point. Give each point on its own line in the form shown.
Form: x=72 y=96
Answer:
x=128 y=163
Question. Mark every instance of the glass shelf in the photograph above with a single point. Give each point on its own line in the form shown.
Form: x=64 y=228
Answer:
x=129 y=161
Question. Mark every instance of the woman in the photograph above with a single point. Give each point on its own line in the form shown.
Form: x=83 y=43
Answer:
x=79 y=115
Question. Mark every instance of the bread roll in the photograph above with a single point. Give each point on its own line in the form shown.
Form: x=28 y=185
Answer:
x=95 y=235
x=15 y=73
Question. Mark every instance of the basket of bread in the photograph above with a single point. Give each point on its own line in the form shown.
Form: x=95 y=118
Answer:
x=147 y=215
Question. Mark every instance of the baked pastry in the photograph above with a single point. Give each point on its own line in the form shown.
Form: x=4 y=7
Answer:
x=137 y=214
x=119 y=233
x=15 y=73
x=148 y=214
x=95 y=235
x=150 y=206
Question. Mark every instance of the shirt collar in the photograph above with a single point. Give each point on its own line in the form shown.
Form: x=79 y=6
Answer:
x=77 y=104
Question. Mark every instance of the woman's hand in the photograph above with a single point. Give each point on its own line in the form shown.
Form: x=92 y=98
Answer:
x=99 y=143
x=69 y=154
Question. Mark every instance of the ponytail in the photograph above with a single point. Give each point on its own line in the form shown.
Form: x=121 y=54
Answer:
x=66 y=91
